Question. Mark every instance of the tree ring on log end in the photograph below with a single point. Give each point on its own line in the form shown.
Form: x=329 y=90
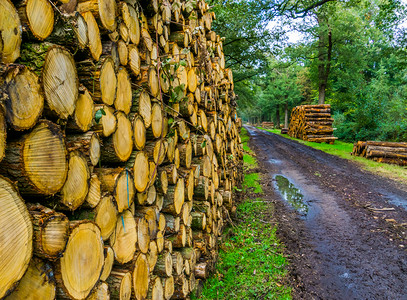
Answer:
x=15 y=236
x=82 y=262
x=44 y=156
x=60 y=81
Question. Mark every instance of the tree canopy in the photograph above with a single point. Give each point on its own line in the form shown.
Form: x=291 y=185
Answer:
x=352 y=55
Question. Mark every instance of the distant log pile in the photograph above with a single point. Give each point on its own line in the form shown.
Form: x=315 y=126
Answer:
x=385 y=152
x=312 y=123
x=119 y=148
x=267 y=125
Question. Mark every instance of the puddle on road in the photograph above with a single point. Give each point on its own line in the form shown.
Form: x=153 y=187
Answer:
x=291 y=194
x=395 y=200
x=274 y=161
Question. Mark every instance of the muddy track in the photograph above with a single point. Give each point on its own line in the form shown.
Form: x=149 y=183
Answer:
x=350 y=240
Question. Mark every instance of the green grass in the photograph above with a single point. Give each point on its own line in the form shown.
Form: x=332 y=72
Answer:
x=245 y=138
x=248 y=157
x=251 y=263
x=249 y=161
x=251 y=183
x=344 y=150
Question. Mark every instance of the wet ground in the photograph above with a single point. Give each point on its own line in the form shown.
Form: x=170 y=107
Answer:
x=344 y=228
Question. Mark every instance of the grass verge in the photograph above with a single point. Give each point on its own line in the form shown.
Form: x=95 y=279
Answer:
x=251 y=262
x=344 y=150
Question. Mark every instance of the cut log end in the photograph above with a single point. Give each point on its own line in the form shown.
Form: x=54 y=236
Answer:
x=141 y=277
x=37 y=282
x=25 y=101
x=10 y=28
x=60 y=81
x=44 y=157
x=82 y=262
x=76 y=187
x=17 y=233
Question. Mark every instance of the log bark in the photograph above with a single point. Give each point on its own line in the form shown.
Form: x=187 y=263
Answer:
x=3 y=134
x=51 y=231
x=99 y=78
x=175 y=198
x=101 y=292
x=87 y=144
x=119 y=182
x=120 y=284
x=82 y=119
x=119 y=147
x=164 y=265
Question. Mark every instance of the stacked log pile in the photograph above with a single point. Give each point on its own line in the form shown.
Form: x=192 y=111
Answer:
x=385 y=152
x=312 y=123
x=267 y=125
x=119 y=148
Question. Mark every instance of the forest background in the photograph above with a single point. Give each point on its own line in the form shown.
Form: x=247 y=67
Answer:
x=351 y=54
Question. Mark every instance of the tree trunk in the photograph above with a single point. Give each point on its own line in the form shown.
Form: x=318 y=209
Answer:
x=324 y=57
x=277 y=117
x=286 y=115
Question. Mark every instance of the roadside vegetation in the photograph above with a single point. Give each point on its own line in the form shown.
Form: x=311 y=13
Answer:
x=251 y=262
x=344 y=150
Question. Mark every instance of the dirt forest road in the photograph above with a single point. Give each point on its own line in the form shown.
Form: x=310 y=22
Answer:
x=344 y=228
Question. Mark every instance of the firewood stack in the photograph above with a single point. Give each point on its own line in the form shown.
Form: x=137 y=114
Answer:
x=267 y=125
x=119 y=148
x=385 y=152
x=312 y=123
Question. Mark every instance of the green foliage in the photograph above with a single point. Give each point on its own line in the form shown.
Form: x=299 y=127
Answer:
x=366 y=83
x=99 y=114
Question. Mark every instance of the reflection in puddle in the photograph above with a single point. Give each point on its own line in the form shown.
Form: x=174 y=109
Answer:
x=291 y=194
